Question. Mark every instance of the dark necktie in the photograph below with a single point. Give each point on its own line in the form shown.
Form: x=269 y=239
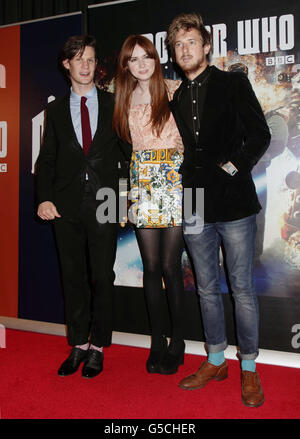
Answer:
x=85 y=126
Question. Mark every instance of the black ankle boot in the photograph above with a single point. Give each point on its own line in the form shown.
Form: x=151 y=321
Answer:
x=173 y=358
x=155 y=357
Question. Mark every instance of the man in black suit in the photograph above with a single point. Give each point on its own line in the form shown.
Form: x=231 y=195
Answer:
x=224 y=133
x=79 y=156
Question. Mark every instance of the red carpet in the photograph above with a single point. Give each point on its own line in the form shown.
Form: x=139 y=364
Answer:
x=31 y=389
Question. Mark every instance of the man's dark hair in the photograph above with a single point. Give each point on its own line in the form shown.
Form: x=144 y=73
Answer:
x=76 y=45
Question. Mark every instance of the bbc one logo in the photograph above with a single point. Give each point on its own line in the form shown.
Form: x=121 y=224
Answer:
x=280 y=60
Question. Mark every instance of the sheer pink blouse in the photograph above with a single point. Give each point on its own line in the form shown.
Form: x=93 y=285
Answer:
x=141 y=131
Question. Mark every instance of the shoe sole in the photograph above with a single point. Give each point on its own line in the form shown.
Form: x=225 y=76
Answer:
x=172 y=371
x=202 y=385
x=67 y=374
x=89 y=378
x=153 y=371
x=94 y=374
x=253 y=405
x=169 y=372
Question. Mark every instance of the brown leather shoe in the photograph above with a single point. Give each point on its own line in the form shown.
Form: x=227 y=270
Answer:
x=252 y=392
x=206 y=373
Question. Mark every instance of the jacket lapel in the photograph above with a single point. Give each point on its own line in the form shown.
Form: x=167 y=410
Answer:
x=104 y=122
x=66 y=120
x=174 y=105
x=212 y=108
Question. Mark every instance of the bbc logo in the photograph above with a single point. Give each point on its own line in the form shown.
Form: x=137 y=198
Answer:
x=3 y=167
x=280 y=60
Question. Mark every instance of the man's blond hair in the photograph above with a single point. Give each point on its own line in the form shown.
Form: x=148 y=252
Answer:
x=186 y=21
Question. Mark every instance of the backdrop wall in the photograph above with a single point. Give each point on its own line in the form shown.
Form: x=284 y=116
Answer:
x=265 y=37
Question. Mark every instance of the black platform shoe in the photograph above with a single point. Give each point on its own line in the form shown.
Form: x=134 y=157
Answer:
x=155 y=357
x=173 y=358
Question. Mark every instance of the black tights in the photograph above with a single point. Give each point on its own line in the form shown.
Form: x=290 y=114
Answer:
x=161 y=251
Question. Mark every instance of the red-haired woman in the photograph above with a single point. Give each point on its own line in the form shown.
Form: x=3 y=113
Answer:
x=142 y=116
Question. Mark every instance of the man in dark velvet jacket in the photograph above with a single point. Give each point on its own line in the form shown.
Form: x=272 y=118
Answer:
x=224 y=133
x=80 y=155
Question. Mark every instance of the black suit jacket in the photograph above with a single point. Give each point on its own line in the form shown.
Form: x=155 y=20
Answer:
x=232 y=128
x=62 y=166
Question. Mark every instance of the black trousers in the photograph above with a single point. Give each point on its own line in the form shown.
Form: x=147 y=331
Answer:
x=87 y=251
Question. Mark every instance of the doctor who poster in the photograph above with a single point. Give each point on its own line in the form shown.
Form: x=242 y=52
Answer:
x=263 y=40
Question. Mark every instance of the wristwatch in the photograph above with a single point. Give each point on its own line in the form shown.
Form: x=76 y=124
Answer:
x=229 y=168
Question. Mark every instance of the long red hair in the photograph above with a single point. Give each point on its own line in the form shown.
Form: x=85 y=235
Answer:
x=126 y=83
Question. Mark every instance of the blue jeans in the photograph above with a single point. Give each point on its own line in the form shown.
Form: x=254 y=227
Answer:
x=238 y=239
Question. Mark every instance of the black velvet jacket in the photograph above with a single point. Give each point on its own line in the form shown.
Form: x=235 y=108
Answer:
x=62 y=166
x=232 y=128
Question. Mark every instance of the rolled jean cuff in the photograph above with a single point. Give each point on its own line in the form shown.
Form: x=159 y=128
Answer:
x=214 y=348
x=247 y=356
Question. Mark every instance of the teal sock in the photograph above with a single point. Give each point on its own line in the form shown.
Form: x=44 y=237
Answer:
x=248 y=365
x=216 y=358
